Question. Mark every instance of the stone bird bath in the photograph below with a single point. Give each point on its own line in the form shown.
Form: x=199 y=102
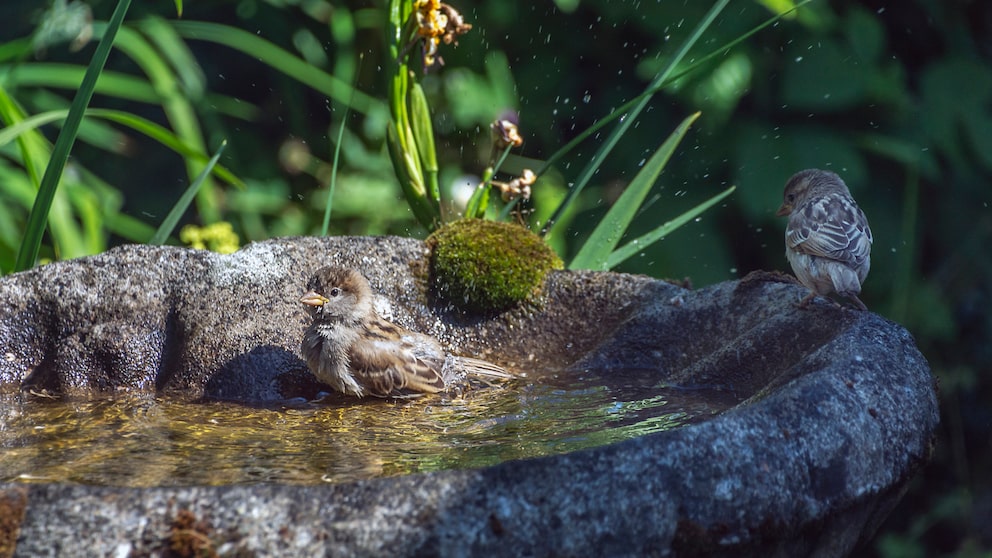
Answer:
x=834 y=410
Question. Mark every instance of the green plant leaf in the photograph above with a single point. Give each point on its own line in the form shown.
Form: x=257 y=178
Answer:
x=30 y=246
x=176 y=53
x=618 y=132
x=280 y=60
x=479 y=201
x=176 y=213
x=423 y=136
x=638 y=245
x=176 y=101
x=67 y=239
x=69 y=76
x=415 y=165
x=596 y=250
x=658 y=85
x=412 y=186
x=136 y=123
x=113 y=84
x=335 y=167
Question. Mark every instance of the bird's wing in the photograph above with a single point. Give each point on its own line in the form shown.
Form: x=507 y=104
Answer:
x=833 y=227
x=389 y=367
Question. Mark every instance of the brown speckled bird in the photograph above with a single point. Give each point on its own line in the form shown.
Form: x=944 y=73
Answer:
x=827 y=239
x=356 y=352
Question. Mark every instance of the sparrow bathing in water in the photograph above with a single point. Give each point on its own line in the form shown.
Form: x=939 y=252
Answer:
x=356 y=352
x=827 y=239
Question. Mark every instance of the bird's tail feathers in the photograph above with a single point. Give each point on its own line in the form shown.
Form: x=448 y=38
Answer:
x=479 y=367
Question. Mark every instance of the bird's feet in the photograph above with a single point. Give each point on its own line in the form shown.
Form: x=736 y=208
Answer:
x=857 y=302
x=809 y=298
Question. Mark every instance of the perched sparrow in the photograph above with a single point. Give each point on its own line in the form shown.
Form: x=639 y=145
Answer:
x=827 y=240
x=356 y=352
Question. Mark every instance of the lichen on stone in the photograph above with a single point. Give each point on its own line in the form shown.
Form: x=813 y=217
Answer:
x=484 y=266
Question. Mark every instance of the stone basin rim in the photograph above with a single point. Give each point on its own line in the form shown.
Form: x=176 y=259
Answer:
x=821 y=456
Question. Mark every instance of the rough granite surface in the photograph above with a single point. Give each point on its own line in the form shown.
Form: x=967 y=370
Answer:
x=839 y=411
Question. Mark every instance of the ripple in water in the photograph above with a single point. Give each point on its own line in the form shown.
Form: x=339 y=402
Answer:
x=143 y=440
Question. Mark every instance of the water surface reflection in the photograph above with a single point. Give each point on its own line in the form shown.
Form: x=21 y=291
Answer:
x=143 y=440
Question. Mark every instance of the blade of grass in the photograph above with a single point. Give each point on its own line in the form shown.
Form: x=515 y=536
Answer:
x=423 y=135
x=30 y=246
x=32 y=146
x=93 y=132
x=15 y=50
x=604 y=238
x=136 y=123
x=625 y=123
x=177 y=104
x=112 y=84
x=168 y=139
x=176 y=53
x=87 y=209
x=176 y=213
x=638 y=245
x=128 y=227
x=280 y=60
x=624 y=108
x=479 y=201
x=36 y=152
x=69 y=76
x=325 y=226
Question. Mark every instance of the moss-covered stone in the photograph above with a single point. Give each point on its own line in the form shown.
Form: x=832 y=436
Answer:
x=484 y=266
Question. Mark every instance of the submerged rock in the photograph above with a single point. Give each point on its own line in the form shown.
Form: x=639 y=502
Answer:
x=838 y=408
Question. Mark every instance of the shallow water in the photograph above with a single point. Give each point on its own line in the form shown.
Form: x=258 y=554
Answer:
x=143 y=440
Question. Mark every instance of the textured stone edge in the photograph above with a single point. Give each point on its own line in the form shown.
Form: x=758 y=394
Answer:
x=690 y=491
x=565 y=504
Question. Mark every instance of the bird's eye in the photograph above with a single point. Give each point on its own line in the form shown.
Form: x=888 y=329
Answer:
x=335 y=292
x=790 y=198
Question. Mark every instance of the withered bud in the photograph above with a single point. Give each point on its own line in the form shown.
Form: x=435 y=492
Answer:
x=437 y=21
x=505 y=134
x=455 y=24
x=518 y=187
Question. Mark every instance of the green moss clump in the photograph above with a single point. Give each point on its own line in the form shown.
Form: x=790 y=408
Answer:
x=485 y=266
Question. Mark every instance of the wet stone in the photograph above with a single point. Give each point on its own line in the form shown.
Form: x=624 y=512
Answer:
x=802 y=426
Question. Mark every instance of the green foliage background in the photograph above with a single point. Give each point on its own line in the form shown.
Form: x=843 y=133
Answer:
x=895 y=97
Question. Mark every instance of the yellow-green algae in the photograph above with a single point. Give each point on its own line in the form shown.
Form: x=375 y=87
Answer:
x=484 y=266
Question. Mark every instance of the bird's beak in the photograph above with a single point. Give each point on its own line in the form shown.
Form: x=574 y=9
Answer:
x=784 y=210
x=314 y=299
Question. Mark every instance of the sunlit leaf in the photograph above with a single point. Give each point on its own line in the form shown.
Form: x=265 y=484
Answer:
x=780 y=7
x=176 y=213
x=596 y=250
x=640 y=243
x=137 y=123
x=629 y=118
x=280 y=60
x=35 y=229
